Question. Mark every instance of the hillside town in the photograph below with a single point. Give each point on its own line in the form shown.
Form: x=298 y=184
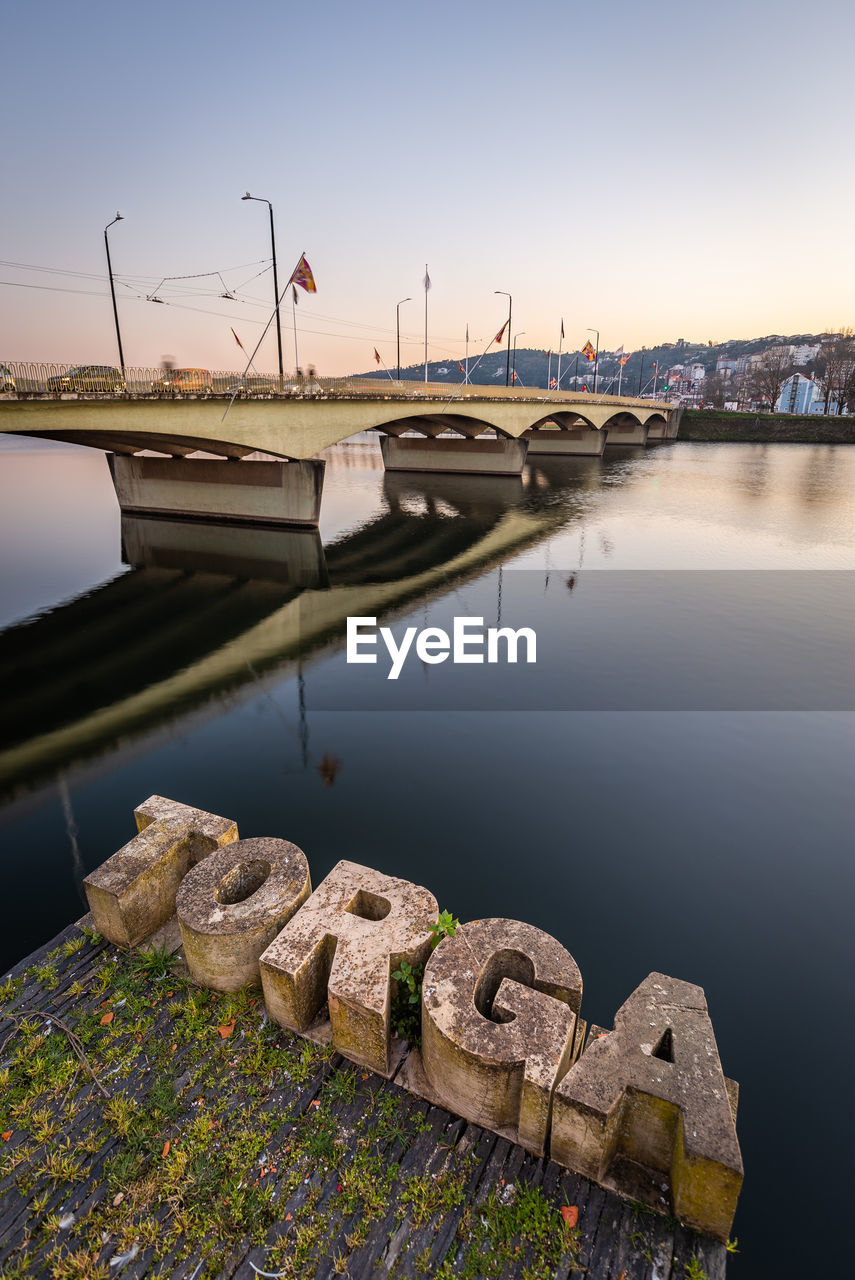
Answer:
x=805 y=378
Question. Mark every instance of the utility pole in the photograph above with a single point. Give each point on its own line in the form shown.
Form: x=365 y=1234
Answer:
x=118 y=218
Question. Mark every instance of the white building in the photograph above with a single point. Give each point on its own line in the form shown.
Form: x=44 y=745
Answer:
x=805 y=353
x=798 y=395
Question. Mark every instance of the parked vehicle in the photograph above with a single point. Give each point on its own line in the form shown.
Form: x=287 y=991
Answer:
x=88 y=377
x=188 y=380
x=7 y=379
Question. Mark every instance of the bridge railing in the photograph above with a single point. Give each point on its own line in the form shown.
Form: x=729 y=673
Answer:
x=53 y=379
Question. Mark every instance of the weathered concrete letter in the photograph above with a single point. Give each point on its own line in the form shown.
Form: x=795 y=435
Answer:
x=133 y=893
x=232 y=905
x=499 y=1010
x=652 y=1091
x=342 y=945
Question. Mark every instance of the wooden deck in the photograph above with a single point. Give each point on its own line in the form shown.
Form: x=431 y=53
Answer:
x=186 y=1136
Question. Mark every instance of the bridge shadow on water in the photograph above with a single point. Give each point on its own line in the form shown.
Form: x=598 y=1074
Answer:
x=206 y=609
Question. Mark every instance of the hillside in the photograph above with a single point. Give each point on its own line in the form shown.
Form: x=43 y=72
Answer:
x=532 y=365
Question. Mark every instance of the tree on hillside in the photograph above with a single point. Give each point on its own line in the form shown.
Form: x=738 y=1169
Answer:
x=769 y=374
x=836 y=369
x=714 y=390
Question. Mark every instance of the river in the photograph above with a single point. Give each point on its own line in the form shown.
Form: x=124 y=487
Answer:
x=668 y=788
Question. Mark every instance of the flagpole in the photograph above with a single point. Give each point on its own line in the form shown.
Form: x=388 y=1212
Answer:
x=427 y=286
x=560 y=343
x=549 y=373
x=466 y=371
x=264 y=333
x=478 y=361
x=294 y=312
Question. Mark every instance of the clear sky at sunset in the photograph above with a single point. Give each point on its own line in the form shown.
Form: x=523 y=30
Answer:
x=654 y=171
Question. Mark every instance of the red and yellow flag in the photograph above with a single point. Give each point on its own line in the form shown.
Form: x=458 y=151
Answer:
x=588 y=351
x=501 y=333
x=237 y=339
x=460 y=367
x=302 y=275
x=377 y=355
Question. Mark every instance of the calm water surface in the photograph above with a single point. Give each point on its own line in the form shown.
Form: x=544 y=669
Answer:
x=645 y=833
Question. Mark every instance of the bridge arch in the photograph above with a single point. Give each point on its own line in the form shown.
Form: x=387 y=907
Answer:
x=624 y=418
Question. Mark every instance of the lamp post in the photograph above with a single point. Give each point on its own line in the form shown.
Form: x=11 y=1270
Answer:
x=398 y=330
x=118 y=218
x=510 y=313
x=514 y=366
x=596 y=356
x=261 y=200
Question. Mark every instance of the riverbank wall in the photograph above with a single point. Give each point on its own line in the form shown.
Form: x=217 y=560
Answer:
x=726 y=426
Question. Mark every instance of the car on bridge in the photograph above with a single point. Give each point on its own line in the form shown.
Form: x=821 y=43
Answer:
x=199 y=380
x=88 y=377
x=7 y=378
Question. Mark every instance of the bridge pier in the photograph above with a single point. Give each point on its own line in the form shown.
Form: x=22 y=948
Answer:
x=278 y=493
x=571 y=440
x=500 y=457
x=626 y=433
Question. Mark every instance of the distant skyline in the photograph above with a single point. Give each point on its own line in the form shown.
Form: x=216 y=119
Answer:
x=654 y=173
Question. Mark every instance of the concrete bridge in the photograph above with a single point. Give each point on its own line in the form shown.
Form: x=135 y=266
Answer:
x=423 y=427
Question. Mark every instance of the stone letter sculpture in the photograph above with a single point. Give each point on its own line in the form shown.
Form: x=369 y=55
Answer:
x=653 y=1092
x=500 y=1003
x=133 y=893
x=232 y=905
x=342 y=945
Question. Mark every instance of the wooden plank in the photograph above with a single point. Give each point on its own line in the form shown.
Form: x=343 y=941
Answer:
x=421 y=1149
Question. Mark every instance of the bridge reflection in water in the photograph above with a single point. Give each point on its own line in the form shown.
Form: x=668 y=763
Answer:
x=207 y=609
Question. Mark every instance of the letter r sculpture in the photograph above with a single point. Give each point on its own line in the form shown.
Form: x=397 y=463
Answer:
x=342 y=946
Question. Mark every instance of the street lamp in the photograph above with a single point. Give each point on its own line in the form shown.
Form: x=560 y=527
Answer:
x=262 y=200
x=398 y=329
x=118 y=218
x=514 y=366
x=510 y=312
x=596 y=355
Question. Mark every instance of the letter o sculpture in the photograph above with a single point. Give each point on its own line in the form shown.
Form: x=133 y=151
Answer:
x=232 y=905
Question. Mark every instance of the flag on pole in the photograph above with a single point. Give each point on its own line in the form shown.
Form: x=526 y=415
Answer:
x=513 y=375
x=588 y=351
x=501 y=333
x=377 y=355
x=237 y=340
x=426 y=280
x=562 y=328
x=619 y=352
x=294 y=293
x=623 y=359
x=553 y=384
x=460 y=367
x=302 y=275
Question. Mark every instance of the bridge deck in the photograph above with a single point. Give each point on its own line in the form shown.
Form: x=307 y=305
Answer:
x=300 y=426
x=212 y=1143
